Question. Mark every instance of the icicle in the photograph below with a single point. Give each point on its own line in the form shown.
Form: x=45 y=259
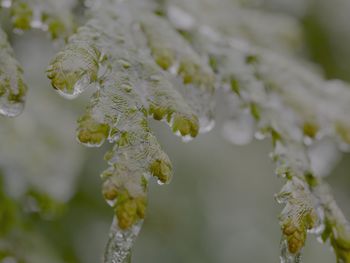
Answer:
x=286 y=256
x=120 y=243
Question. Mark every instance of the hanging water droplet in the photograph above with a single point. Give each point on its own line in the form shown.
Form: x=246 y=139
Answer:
x=323 y=156
x=10 y=109
x=160 y=182
x=92 y=145
x=206 y=124
x=239 y=130
x=307 y=140
x=320 y=225
x=111 y=203
x=186 y=138
x=80 y=86
x=259 y=135
x=174 y=68
x=36 y=21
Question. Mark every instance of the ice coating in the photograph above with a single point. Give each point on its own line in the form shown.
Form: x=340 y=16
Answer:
x=113 y=51
x=12 y=86
x=281 y=98
x=27 y=14
x=172 y=52
x=290 y=103
x=120 y=243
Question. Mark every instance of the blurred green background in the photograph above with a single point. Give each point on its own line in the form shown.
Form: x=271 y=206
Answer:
x=219 y=206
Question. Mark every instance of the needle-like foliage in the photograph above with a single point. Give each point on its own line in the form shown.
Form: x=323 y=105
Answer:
x=166 y=60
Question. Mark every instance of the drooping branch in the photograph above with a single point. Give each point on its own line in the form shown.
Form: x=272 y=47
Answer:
x=115 y=52
x=276 y=96
x=12 y=86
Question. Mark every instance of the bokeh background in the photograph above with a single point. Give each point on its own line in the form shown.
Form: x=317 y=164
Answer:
x=220 y=204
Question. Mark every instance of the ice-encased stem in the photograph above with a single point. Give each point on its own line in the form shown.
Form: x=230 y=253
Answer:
x=120 y=242
x=286 y=256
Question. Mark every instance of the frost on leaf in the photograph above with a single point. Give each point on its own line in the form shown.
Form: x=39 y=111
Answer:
x=12 y=86
x=299 y=214
x=123 y=50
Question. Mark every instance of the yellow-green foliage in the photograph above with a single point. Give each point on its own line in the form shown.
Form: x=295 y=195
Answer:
x=165 y=60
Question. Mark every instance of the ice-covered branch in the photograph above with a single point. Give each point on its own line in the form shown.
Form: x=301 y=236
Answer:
x=12 y=86
x=123 y=51
x=272 y=94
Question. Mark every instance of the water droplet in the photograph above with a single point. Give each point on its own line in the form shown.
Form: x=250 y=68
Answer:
x=91 y=144
x=111 y=203
x=323 y=155
x=160 y=182
x=206 y=124
x=186 y=138
x=80 y=86
x=307 y=140
x=36 y=22
x=259 y=135
x=319 y=226
x=10 y=109
x=240 y=130
x=320 y=239
x=174 y=68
